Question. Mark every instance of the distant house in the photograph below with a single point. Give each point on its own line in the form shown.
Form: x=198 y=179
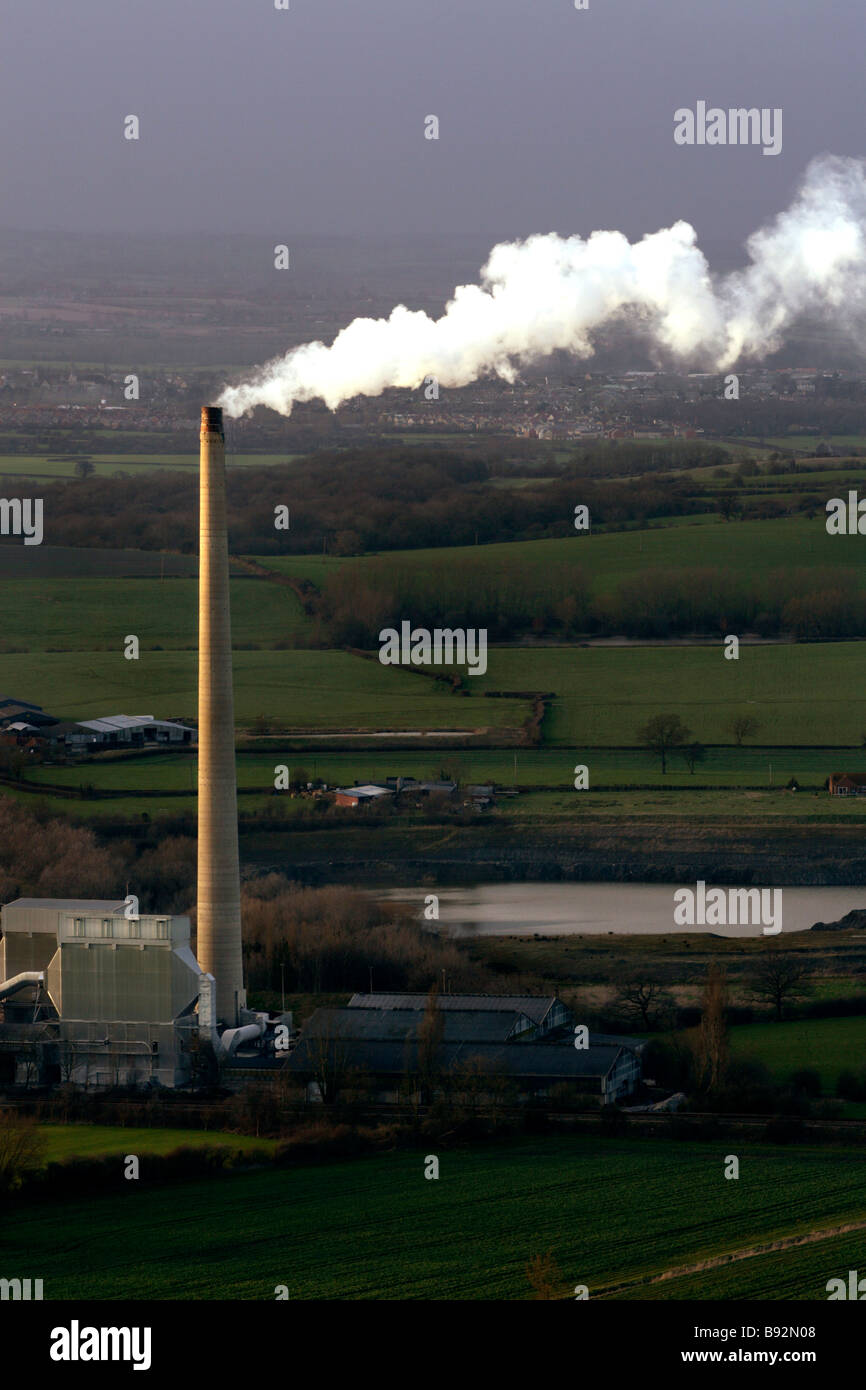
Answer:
x=847 y=784
x=361 y=796
x=526 y=1040
x=405 y=787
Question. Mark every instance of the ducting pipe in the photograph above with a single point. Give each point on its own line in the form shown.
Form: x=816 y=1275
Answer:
x=16 y=982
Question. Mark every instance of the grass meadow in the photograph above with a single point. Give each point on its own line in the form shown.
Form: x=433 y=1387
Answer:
x=750 y=548
x=302 y=689
x=62 y=1141
x=55 y=466
x=825 y=1045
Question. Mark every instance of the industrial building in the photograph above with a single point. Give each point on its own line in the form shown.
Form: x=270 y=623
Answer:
x=96 y=993
x=382 y=1044
x=96 y=997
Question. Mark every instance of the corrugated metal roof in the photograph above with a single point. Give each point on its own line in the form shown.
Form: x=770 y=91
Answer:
x=534 y=1006
x=110 y=723
x=367 y=789
x=528 y=1060
x=400 y=1025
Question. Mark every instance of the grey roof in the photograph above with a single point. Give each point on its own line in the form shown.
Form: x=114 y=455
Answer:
x=528 y=1060
x=116 y=723
x=535 y=1006
x=110 y=723
x=409 y=784
x=72 y=904
x=366 y=790
x=402 y=1025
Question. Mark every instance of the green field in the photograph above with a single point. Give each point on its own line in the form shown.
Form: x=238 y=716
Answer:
x=54 y=466
x=92 y=1141
x=749 y=548
x=825 y=1045
x=47 y=562
x=317 y=690
x=800 y=693
x=42 y=615
x=611 y=1211
x=527 y=769
x=688 y=811
x=808 y=443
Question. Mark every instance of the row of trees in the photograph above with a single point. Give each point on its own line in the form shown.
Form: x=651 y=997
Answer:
x=525 y=597
x=362 y=499
x=777 y=978
x=44 y=857
x=323 y=940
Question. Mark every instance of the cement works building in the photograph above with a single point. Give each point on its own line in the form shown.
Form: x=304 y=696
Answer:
x=94 y=997
x=383 y=1043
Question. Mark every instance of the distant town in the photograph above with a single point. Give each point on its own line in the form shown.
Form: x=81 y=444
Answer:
x=81 y=410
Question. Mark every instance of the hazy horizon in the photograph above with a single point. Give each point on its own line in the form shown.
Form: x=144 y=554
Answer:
x=309 y=122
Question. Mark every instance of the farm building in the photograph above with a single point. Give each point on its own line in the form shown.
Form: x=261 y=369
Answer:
x=361 y=796
x=408 y=786
x=119 y=731
x=544 y=1011
x=847 y=784
x=14 y=711
x=398 y=787
x=524 y=1043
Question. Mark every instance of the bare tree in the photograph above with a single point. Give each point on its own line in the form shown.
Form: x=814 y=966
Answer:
x=694 y=753
x=66 y=1060
x=29 y=1056
x=662 y=734
x=744 y=726
x=778 y=977
x=544 y=1276
x=713 y=1045
x=644 y=999
x=330 y=1062
x=430 y=1033
x=479 y=1084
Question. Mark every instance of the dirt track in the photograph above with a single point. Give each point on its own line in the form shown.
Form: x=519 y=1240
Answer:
x=733 y=1256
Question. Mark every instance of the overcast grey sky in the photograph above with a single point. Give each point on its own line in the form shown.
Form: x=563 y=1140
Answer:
x=311 y=120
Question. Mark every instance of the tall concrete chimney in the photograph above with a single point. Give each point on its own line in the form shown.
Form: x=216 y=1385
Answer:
x=219 y=885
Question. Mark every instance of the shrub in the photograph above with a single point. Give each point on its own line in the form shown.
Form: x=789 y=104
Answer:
x=21 y=1149
x=807 y=1081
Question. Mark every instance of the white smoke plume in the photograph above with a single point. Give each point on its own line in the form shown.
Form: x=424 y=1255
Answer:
x=552 y=292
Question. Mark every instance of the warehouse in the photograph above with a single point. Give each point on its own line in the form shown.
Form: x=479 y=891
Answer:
x=545 y=1011
x=390 y=1047
x=120 y=731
